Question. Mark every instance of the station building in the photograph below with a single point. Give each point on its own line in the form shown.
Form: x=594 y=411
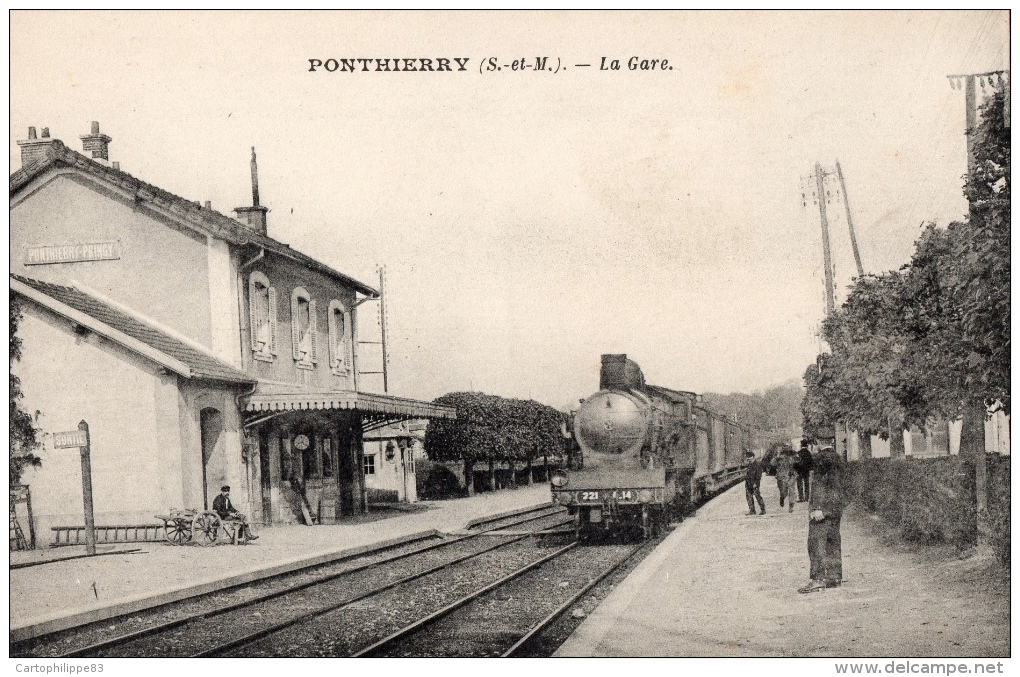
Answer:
x=391 y=455
x=199 y=350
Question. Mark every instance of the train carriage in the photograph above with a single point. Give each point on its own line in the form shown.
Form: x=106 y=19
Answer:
x=649 y=453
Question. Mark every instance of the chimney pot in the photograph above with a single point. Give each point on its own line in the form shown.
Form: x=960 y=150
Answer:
x=116 y=165
x=95 y=144
x=254 y=216
x=45 y=132
x=208 y=204
x=34 y=148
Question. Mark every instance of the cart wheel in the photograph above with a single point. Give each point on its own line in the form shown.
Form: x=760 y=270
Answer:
x=205 y=528
x=176 y=533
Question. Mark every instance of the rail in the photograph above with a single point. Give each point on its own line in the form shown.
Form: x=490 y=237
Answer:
x=97 y=648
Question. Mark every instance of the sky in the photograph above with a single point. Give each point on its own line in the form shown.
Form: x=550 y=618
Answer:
x=530 y=221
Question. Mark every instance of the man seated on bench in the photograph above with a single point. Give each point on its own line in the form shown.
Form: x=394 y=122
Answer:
x=226 y=510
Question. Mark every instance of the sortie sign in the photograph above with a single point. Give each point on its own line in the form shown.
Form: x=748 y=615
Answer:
x=80 y=438
x=69 y=439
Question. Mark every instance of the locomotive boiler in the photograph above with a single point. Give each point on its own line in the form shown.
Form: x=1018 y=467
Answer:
x=647 y=454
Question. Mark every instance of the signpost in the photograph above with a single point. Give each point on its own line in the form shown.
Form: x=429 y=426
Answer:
x=80 y=438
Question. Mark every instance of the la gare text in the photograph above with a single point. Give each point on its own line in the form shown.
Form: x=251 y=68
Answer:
x=460 y=64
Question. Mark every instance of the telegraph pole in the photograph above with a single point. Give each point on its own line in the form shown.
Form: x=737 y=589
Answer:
x=830 y=293
x=382 y=322
x=969 y=82
x=839 y=433
x=849 y=221
x=972 y=441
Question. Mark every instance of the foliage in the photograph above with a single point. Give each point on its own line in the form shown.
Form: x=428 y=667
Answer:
x=436 y=481
x=981 y=274
x=999 y=506
x=927 y=498
x=23 y=432
x=930 y=500
x=493 y=428
x=932 y=338
x=818 y=407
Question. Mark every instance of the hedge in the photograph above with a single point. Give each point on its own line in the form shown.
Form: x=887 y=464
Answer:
x=932 y=499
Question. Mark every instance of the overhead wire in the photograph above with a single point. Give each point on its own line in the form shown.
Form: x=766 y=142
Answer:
x=926 y=193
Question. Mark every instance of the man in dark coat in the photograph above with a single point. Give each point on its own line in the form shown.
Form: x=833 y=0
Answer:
x=786 y=476
x=752 y=483
x=828 y=498
x=803 y=468
x=222 y=506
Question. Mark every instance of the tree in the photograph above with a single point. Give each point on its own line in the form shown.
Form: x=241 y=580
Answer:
x=493 y=429
x=981 y=253
x=24 y=434
x=932 y=340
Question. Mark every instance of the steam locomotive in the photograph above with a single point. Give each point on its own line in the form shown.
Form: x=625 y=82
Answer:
x=644 y=455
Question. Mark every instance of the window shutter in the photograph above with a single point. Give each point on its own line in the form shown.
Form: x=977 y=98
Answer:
x=313 y=328
x=331 y=326
x=253 y=314
x=272 y=320
x=348 y=345
x=295 y=332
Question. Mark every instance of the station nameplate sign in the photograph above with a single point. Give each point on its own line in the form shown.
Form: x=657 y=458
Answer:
x=72 y=253
x=72 y=438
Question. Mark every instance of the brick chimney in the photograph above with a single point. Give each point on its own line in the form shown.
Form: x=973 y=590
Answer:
x=254 y=216
x=34 y=148
x=96 y=145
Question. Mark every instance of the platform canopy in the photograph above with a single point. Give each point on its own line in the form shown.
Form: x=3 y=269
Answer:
x=270 y=398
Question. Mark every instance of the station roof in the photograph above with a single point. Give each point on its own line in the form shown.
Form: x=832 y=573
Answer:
x=189 y=213
x=280 y=397
x=129 y=330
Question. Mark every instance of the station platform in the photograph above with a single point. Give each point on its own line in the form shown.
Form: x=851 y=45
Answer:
x=68 y=590
x=725 y=584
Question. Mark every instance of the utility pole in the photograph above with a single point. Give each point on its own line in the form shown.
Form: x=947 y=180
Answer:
x=381 y=298
x=839 y=432
x=830 y=293
x=995 y=79
x=849 y=221
x=972 y=442
x=382 y=322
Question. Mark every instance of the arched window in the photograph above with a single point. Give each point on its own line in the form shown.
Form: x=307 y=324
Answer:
x=339 y=341
x=262 y=317
x=304 y=334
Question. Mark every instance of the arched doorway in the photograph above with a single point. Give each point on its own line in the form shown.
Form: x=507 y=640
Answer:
x=212 y=434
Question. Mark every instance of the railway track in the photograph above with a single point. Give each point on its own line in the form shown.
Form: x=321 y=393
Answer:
x=177 y=629
x=360 y=619
x=466 y=612
x=506 y=617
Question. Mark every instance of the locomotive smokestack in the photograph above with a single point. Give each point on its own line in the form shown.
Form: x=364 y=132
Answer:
x=619 y=373
x=612 y=376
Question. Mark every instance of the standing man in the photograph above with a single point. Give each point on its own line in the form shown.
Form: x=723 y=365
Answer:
x=226 y=510
x=786 y=476
x=803 y=467
x=827 y=500
x=752 y=483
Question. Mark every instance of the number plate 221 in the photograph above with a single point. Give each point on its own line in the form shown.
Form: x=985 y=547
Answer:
x=617 y=494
